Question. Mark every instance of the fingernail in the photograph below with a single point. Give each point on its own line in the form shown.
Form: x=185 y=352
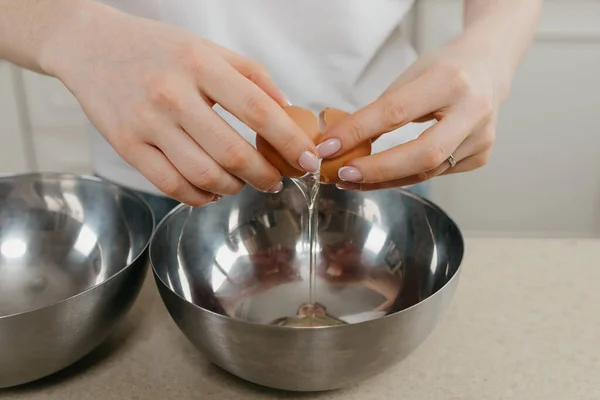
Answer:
x=216 y=198
x=345 y=186
x=285 y=101
x=350 y=174
x=329 y=147
x=277 y=188
x=309 y=162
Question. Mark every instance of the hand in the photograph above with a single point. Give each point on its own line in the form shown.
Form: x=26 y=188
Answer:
x=149 y=87
x=454 y=86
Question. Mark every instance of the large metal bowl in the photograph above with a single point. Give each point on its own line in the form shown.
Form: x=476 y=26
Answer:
x=233 y=272
x=72 y=260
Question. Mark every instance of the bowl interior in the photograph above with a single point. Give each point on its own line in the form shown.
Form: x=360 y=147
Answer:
x=61 y=235
x=246 y=256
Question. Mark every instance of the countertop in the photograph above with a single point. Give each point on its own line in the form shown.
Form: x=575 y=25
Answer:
x=524 y=324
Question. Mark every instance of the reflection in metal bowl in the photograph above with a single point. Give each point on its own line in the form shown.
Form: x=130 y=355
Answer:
x=228 y=271
x=72 y=260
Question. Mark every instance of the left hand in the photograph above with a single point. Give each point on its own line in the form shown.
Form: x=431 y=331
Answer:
x=456 y=86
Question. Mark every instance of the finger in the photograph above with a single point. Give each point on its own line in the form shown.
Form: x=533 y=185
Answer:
x=402 y=182
x=252 y=70
x=242 y=98
x=227 y=148
x=421 y=97
x=427 y=152
x=477 y=147
x=155 y=167
x=474 y=152
x=479 y=142
x=195 y=165
x=470 y=163
x=207 y=129
x=425 y=118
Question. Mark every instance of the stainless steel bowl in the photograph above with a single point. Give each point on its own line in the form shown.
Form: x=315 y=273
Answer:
x=72 y=260
x=233 y=272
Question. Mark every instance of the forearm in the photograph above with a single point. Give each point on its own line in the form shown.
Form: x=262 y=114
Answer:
x=502 y=29
x=32 y=31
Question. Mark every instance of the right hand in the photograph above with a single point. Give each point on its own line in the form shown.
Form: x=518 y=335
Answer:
x=149 y=89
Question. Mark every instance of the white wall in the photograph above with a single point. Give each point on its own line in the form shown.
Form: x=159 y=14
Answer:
x=14 y=152
x=544 y=178
x=57 y=126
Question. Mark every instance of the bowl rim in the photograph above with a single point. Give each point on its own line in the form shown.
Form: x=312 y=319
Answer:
x=89 y=178
x=402 y=191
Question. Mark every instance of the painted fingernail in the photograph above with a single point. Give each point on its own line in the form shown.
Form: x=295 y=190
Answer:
x=309 y=162
x=329 y=147
x=350 y=174
x=276 y=188
x=346 y=186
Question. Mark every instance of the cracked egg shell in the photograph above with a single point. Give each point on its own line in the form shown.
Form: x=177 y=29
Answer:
x=308 y=122
x=331 y=166
x=312 y=126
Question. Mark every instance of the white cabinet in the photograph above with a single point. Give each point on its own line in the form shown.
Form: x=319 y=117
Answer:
x=544 y=177
x=14 y=157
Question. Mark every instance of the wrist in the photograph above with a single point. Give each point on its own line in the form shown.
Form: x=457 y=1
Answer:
x=67 y=41
x=493 y=57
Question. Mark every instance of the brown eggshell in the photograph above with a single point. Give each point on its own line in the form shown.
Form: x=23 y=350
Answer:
x=331 y=166
x=312 y=126
x=308 y=123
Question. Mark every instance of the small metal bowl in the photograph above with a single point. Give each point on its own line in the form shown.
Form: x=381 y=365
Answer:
x=72 y=261
x=234 y=276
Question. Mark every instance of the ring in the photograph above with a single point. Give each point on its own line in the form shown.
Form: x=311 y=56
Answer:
x=452 y=161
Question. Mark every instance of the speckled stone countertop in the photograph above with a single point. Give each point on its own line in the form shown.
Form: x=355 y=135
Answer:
x=524 y=324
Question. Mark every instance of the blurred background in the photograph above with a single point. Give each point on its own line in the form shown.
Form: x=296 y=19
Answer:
x=544 y=177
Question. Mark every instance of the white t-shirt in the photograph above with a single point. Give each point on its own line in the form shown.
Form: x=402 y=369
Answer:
x=334 y=53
